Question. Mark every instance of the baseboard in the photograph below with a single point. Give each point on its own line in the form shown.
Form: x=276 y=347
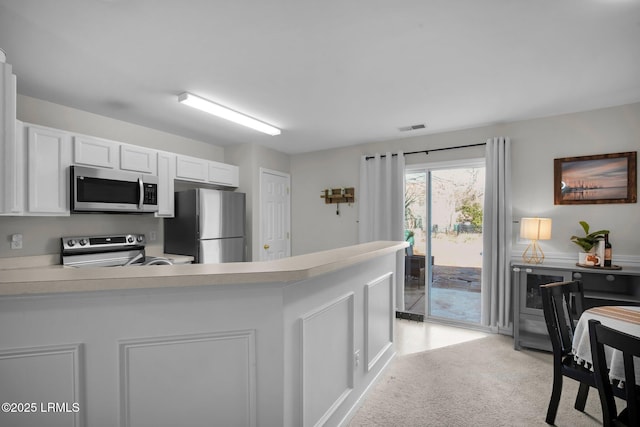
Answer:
x=358 y=403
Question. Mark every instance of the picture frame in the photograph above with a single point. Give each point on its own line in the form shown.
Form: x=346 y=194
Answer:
x=603 y=178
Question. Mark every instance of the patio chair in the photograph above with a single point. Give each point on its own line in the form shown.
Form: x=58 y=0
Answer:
x=561 y=302
x=629 y=345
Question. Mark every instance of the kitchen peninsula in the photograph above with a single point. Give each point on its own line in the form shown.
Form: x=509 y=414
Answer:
x=292 y=342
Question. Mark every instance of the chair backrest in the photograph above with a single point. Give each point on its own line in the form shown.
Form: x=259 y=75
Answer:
x=629 y=345
x=562 y=302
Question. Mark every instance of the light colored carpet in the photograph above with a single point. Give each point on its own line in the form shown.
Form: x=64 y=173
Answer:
x=484 y=382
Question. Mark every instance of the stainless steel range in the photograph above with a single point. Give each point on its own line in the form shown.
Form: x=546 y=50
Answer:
x=107 y=251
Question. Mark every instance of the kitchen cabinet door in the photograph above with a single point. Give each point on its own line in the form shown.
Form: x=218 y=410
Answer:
x=12 y=173
x=166 y=177
x=8 y=94
x=138 y=159
x=90 y=151
x=530 y=329
x=11 y=162
x=223 y=174
x=192 y=169
x=48 y=161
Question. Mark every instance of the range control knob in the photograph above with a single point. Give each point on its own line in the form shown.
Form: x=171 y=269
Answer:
x=130 y=239
x=83 y=242
x=140 y=238
x=71 y=243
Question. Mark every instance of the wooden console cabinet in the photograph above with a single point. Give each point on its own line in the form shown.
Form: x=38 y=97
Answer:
x=601 y=287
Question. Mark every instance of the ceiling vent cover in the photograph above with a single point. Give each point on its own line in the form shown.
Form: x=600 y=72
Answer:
x=412 y=127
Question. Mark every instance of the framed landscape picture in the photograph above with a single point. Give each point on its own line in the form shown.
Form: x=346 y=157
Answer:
x=605 y=178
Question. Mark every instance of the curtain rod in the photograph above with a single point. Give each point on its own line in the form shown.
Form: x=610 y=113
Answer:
x=428 y=151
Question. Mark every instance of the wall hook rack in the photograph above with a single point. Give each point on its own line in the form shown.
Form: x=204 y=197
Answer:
x=338 y=195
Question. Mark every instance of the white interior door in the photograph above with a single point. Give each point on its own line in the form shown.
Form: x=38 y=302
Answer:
x=275 y=221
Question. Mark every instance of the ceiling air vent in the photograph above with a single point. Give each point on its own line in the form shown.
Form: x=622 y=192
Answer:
x=412 y=127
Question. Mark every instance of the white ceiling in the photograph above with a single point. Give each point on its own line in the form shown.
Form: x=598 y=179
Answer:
x=329 y=73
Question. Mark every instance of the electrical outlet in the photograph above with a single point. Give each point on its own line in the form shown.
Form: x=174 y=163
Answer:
x=16 y=241
x=356 y=357
x=153 y=236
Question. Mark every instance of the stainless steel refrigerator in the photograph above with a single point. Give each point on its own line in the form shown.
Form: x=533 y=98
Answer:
x=208 y=225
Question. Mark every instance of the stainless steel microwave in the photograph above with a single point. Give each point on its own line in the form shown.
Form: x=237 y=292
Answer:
x=104 y=190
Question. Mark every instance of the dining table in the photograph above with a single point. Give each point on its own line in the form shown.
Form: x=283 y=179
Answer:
x=622 y=318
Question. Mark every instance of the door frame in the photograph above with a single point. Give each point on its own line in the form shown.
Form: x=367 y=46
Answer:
x=259 y=241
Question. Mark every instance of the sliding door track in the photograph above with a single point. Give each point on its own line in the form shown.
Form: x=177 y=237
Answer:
x=410 y=316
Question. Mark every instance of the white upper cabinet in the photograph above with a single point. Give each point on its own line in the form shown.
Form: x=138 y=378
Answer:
x=166 y=177
x=200 y=170
x=192 y=169
x=12 y=173
x=11 y=162
x=224 y=174
x=138 y=159
x=34 y=174
x=48 y=161
x=90 y=151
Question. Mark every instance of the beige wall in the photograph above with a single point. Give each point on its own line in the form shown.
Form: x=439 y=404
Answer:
x=250 y=158
x=45 y=113
x=42 y=234
x=538 y=142
x=535 y=144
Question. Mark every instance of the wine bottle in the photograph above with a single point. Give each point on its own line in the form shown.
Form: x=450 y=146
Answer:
x=608 y=252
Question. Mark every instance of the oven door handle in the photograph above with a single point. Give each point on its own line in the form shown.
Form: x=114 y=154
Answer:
x=132 y=260
x=141 y=192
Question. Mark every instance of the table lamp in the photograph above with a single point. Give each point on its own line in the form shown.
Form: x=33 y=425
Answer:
x=534 y=229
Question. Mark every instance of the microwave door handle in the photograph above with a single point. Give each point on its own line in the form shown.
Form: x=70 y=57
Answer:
x=141 y=193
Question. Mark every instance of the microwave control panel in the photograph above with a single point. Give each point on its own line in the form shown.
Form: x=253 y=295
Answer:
x=150 y=194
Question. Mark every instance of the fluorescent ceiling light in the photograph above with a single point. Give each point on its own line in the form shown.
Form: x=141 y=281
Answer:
x=225 y=113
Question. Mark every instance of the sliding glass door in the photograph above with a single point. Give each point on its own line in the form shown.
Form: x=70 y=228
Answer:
x=443 y=220
x=416 y=221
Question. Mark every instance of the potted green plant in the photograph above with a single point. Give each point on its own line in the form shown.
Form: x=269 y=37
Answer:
x=588 y=244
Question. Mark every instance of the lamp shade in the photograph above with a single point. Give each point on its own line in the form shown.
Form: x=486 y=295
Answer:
x=535 y=228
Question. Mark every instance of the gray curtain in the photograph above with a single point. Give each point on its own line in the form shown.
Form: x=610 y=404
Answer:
x=381 y=213
x=381 y=207
x=496 y=274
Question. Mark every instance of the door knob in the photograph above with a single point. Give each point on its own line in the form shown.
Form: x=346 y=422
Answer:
x=266 y=247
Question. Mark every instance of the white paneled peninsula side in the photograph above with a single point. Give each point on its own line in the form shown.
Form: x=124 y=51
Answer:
x=291 y=342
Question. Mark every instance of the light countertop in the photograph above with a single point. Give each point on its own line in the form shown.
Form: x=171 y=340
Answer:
x=56 y=279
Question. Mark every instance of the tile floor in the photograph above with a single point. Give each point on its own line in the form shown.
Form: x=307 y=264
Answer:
x=451 y=304
x=455 y=294
x=414 y=337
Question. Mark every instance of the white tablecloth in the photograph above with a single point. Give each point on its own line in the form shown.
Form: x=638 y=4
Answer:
x=612 y=317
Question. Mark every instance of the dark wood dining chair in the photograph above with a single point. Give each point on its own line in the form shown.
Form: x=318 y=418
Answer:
x=599 y=336
x=562 y=302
